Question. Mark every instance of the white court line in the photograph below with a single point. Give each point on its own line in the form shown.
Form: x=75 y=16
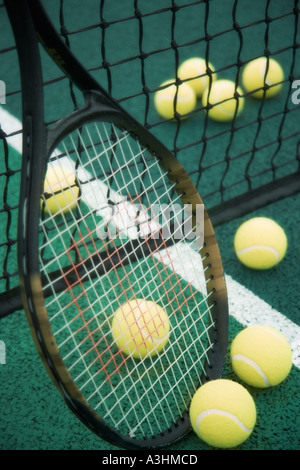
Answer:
x=246 y=307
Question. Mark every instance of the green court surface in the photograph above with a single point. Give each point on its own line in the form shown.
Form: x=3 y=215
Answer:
x=32 y=413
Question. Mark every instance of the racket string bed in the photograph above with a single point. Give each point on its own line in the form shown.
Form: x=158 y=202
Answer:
x=99 y=273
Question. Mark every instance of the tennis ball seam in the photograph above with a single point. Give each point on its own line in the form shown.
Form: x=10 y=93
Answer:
x=255 y=247
x=148 y=336
x=274 y=333
x=241 y=357
x=227 y=414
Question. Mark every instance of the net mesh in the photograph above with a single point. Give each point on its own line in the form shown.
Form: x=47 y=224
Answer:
x=132 y=318
x=131 y=51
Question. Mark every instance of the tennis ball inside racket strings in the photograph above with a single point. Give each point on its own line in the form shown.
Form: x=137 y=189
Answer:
x=60 y=190
x=140 y=328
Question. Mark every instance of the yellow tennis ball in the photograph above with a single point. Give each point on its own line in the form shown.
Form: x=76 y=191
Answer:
x=140 y=328
x=221 y=95
x=223 y=413
x=195 y=69
x=254 y=77
x=60 y=190
x=260 y=243
x=261 y=356
x=164 y=100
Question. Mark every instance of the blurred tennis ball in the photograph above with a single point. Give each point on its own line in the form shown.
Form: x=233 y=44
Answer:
x=261 y=356
x=221 y=95
x=254 y=74
x=164 y=100
x=223 y=413
x=260 y=243
x=195 y=69
x=60 y=190
x=140 y=328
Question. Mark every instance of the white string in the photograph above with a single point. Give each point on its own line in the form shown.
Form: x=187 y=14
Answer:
x=138 y=397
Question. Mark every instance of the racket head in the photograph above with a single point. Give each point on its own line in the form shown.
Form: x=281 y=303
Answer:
x=107 y=389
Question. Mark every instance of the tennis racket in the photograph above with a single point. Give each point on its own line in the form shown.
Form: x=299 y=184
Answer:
x=116 y=225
